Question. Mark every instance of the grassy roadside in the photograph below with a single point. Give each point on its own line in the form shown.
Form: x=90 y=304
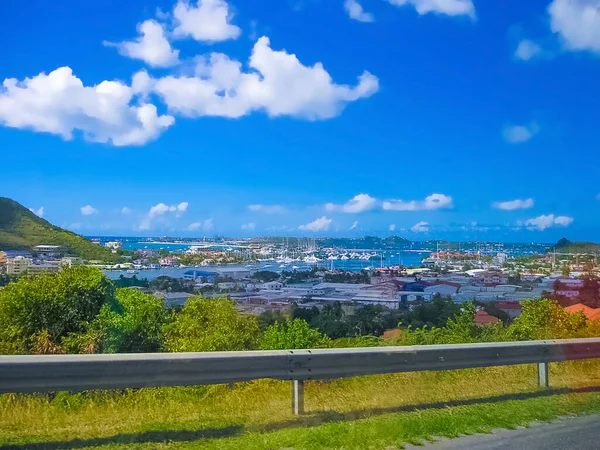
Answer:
x=364 y=412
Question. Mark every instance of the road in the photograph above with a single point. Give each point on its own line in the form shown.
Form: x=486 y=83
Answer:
x=581 y=433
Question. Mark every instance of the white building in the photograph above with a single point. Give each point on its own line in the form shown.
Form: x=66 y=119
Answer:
x=114 y=245
x=237 y=273
x=17 y=265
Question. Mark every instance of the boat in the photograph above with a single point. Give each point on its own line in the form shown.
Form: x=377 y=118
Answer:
x=133 y=271
x=295 y=267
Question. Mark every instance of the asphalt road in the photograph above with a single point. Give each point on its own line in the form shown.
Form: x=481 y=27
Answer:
x=573 y=433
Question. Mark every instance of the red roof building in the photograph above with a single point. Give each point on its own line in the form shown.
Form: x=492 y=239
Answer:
x=482 y=319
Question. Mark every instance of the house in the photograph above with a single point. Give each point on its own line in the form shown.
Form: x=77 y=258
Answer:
x=590 y=313
x=512 y=309
x=489 y=278
x=226 y=285
x=483 y=319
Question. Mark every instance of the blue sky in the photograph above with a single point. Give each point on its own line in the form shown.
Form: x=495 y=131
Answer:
x=451 y=119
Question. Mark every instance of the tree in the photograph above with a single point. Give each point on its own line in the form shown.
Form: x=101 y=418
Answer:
x=206 y=325
x=135 y=327
x=269 y=317
x=56 y=305
x=265 y=276
x=292 y=334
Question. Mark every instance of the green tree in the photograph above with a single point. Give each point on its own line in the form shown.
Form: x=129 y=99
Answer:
x=57 y=304
x=292 y=334
x=137 y=326
x=205 y=325
x=265 y=276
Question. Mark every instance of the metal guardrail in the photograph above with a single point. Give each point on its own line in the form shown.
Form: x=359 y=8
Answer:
x=48 y=373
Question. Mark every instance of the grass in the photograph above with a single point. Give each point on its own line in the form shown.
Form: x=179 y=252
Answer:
x=384 y=411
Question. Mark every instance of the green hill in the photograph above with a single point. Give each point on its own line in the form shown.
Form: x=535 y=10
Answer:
x=566 y=246
x=20 y=229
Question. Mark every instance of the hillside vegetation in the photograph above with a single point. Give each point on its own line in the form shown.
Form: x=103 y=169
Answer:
x=20 y=229
x=566 y=246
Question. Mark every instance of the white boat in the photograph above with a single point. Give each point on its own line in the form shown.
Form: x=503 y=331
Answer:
x=295 y=267
x=133 y=271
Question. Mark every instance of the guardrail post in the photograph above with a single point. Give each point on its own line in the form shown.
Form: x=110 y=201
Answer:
x=543 y=375
x=297 y=397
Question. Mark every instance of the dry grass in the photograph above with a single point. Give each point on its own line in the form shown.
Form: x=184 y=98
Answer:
x=263 y=405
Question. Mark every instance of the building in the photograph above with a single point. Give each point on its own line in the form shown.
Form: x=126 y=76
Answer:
x=590 y=313
x=272 y=286
x=445 y=289
x=17 y=265
x=49 y=251
x=48 y=267
x=512 y=309
x=483 y=319
x=172 y=299
x=226 y=285
x=237 y=273
x=71 y=261
x=500 y=259
x=489 y=278
x=113 y=245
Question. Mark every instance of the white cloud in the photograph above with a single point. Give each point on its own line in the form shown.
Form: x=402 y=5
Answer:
x=526 y=50
x=250 y=226
x=421 y=227
x=205 y=225
x=125 y=210
x=267 y=209
x=356 y=12
x=158 y=210
x=207 y=21
x=278 y=84
x=359 y=203
x=59 y=103
x=39 y=212
x=354 y=225
x=448 y=7
x=162 y=208
x=516 y=134
x=514 y=204
x=152 y=46
x=88 y=210
x=431 y=202
x=577 y=22
x=547 y=221
x=393 y=227
x=320 y=224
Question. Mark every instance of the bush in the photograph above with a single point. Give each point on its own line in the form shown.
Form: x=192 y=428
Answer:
x=50 y=307
x=292 y=334
x=206 y=325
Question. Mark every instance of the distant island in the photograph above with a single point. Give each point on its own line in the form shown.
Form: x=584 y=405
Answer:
x=20 y=229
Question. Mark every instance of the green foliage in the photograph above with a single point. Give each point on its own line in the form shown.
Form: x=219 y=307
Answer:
x=545 y=319
x=292 y=334
x=211 y=325
x=166 y=283
x=265 y=276
x=434 y=313
x=269 y=317
x=60 y=304
x=125 y=282
x=21 y=229
x=138 y=327
x=347 y=276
